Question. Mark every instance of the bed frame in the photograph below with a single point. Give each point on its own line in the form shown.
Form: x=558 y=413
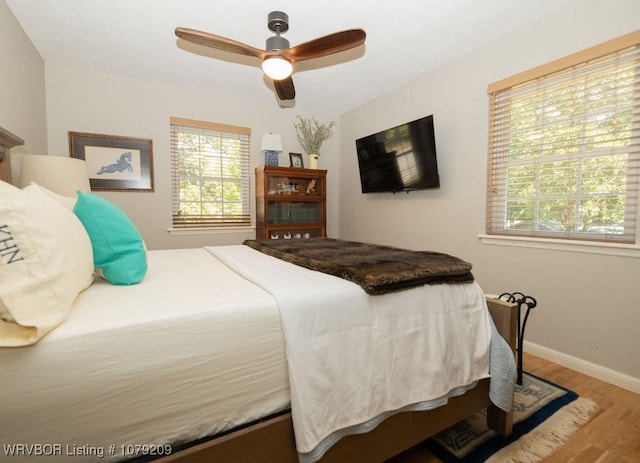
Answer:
x=272 y=441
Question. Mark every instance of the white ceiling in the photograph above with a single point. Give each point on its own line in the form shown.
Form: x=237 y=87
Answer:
x=405 y=39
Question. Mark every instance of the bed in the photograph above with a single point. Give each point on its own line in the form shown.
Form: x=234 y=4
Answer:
x=231 y=353
x=180 y=357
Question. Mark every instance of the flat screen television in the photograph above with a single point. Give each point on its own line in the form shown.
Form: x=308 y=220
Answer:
x=401 y=158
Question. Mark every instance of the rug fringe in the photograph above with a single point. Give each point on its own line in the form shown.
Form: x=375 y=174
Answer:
x=548 y=436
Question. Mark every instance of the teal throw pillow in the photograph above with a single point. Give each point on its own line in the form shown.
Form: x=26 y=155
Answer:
x=119 y=254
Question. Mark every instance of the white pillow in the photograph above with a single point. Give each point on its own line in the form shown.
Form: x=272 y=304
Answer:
x=46 y=260
x=66 y=201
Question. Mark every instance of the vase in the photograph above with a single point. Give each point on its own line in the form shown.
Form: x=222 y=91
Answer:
x=313 y=161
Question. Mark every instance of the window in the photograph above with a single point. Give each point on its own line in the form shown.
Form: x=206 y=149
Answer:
x=209 y=174
x=564 y=147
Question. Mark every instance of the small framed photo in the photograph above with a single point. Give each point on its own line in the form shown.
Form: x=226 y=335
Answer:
x=115 y=163
x=296 y=160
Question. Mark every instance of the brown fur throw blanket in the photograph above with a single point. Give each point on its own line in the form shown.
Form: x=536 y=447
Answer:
x=378 y=269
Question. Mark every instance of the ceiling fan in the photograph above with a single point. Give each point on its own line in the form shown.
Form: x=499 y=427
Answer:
x=278 y=57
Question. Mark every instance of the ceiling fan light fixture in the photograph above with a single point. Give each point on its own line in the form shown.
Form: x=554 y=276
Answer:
x=277 y=67
x=278 y=56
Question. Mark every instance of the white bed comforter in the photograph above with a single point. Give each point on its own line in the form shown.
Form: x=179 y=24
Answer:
x=355 y=358
x=192 y=351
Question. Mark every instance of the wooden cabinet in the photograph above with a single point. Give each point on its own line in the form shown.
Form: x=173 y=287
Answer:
x=290 y=203
x=5 y=167
x=7 y=141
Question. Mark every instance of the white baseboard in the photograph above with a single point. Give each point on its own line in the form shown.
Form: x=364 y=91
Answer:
x=591 y=369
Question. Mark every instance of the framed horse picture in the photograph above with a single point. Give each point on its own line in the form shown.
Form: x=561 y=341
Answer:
x=113 y=162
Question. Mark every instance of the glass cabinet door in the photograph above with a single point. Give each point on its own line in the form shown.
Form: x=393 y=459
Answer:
x=287 y=212
x=291 y=186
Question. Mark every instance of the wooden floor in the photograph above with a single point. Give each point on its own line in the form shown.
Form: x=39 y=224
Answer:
x=611 y=436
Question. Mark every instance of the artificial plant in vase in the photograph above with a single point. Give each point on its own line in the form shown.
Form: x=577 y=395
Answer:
x=311 y=134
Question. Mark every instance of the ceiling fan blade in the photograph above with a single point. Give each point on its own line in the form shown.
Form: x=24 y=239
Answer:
x=217 y=42
x=285 y=89
x=327 y=45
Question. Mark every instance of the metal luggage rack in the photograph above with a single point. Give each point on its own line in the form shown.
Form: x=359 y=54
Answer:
x=521 y=300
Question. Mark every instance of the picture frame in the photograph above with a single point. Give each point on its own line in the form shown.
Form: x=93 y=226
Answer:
x=295 y=160
x=115 y=163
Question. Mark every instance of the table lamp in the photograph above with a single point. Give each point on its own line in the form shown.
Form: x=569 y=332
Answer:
x=60 y=174
x=271 y=146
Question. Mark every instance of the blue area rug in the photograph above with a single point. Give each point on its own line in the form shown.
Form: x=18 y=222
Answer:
x=545 y=416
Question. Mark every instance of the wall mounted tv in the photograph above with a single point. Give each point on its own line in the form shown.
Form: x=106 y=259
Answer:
x=401 y=158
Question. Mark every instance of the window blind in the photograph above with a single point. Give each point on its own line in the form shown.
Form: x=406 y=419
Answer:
x=564 y=147
x=210 y=174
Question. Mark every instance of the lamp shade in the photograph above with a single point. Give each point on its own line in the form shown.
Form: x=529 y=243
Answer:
x=60 y=174
x=271 y=142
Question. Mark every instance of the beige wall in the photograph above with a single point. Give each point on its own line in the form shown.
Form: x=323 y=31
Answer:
x=22 y=99
x=588 y=304
x=85 y=101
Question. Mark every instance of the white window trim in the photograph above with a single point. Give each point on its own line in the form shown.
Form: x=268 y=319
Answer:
x=210 y=230
x=589 y=247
